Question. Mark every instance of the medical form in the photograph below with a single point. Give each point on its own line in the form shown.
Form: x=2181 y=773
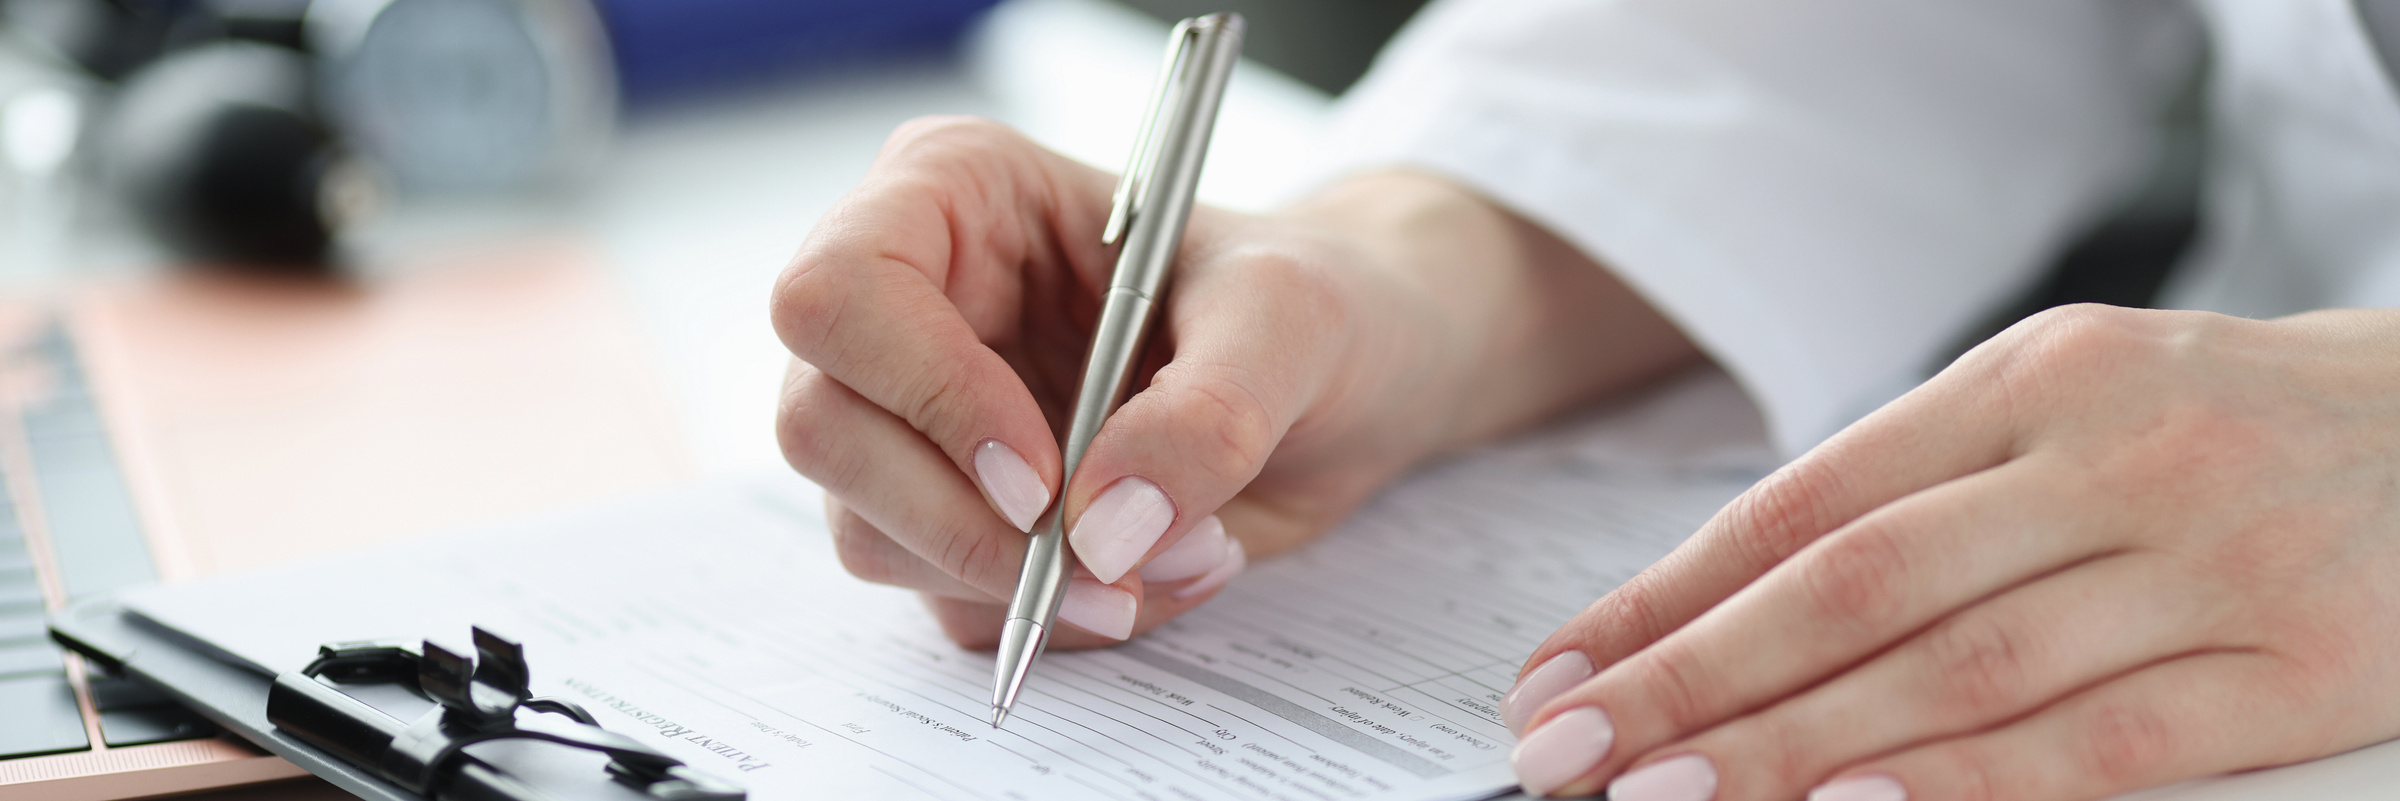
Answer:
x=1367 y=665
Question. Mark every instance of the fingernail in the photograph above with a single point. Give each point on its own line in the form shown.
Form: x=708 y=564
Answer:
x=1011 y=483
x=1099 y=608
x=1877 y=787
x=1541 y=684
x=1568 y=746
x=1120 y=526
x=1201 y=550
x=1235 y=560
x=1690 y=777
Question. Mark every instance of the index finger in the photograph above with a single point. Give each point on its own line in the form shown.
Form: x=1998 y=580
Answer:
x=901 y=292
x=1942 y=430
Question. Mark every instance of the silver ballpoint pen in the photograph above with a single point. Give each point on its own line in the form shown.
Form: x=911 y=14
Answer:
x=1152 y=201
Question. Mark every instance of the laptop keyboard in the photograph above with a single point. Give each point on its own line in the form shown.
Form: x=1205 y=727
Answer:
x=97 y=547
x=94 y=532
x=37 y=707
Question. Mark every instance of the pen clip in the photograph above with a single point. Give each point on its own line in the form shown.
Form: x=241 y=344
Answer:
x=1134 y=186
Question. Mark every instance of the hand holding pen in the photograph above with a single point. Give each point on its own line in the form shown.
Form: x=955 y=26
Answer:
x=941 y=313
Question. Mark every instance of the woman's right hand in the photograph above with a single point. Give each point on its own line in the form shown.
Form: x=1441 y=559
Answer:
x=940 y=313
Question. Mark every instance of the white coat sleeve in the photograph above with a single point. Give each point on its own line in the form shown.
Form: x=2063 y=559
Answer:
x=1824 y=195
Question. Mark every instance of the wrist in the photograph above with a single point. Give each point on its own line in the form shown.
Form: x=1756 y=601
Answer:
x=1518 y=325
x=1416 y=240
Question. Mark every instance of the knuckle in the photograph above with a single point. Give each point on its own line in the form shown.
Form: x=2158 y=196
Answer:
x=2128 y=744
x=1856 y=578
x=938 y=396
x=809 y=433
x=1630 y=612
x=1781 y=747
x=1981 y=664
x=971 y=626
x=808 y=301
x=798 y=429
x=970 y=557
x=861 y=549
x=1241 y=434
x=1677 y=686
x=2067 y=346
x=1974 y=774
x=944 y=131
x=1783 y=513
x=2324 y=660
x=2086 y=326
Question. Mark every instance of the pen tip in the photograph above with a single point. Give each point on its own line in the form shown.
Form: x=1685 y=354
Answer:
x=999 y=713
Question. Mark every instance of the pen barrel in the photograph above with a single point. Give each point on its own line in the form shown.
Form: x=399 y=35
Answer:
x=1117 y=342
x=1194 y=89
x=1164 y=181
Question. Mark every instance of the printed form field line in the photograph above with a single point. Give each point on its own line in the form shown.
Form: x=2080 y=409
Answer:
x=1321 y=725
x=896 y=759
x=1061 y=756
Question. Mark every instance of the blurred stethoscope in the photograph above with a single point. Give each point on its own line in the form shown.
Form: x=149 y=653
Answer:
x=248 y=131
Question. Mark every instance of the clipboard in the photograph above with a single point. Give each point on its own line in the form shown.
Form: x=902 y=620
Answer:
x=392 y=722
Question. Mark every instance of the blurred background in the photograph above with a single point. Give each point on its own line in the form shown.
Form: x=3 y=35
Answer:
x=680 y=147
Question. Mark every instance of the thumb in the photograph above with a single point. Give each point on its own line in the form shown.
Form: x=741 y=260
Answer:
x=1255 y=335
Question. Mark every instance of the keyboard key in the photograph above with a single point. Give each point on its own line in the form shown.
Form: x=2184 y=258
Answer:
x=41 y=716
x=112 y=693
x=131 y=713
x=19 y=585
x=17 y=595
x=19 y=575
x=22 y=623
x=97 y=537
x=16 y=563
x=143 y=725
x=29 y=656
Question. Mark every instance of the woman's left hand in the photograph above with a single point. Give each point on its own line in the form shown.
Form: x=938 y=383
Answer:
x=2107 y=550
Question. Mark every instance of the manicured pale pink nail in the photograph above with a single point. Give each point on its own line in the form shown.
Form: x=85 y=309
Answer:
x=1235 y=560
x=1012 y=484
x=1120 y=526
x=1567 y=746
x=1099 y=608
x=1201 y=550
x=1876 y=787
x=1541 y=684
x=1690 y=777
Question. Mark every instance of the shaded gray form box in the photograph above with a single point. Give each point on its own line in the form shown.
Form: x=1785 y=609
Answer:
x=1299 y=715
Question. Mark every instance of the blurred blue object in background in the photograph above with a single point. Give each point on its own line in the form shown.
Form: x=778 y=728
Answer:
x=666 y=47
x=409 y=98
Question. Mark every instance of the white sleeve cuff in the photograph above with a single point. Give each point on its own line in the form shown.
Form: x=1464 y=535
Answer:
x=1823 y=211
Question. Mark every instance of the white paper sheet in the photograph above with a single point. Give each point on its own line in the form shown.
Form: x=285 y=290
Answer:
x=717 y=625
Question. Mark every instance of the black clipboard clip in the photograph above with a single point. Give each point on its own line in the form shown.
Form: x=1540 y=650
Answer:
x=476 y=701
